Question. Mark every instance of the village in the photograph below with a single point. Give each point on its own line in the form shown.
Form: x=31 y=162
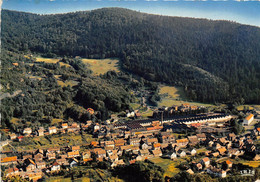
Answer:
x=124 y=143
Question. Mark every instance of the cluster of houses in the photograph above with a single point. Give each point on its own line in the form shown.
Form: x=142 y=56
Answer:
x=64 y=128
x=141 y=140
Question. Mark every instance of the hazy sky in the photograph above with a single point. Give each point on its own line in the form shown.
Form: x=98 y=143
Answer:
x=246 y=12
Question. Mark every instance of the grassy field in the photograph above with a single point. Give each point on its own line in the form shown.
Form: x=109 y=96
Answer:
x=241 y=107
x=101 y=66
x=50 y=142
x=175 y=96
x=254 y=164
x=173 y=92
x=67 y=83
x=168 y=165
x=64 y=64
x=56 y=121
x=201 y=150
x=15 y=121
x=47 y=60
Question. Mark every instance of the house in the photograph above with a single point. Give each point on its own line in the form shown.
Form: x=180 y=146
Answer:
x=234 y=152
x=193 y=152
x=157 y=152
x=101 y=153
x=181 y=153
x=117 y=163
x=75 y=126
x=156 y=146
x=75 y=148
x=222 y=140
x=207 y=153
x=190 y=171
x=198 y=166
x=40 y=165
x=119 y=142
x=86 y=156
x=247 y=121
x=90 y=110
x=134 y=141
x=51 y=155
x=216 y=146
x=94 y=143
x=135 y=149
x=34 y=175
x=9 y=160
x=216 y=172
x=222 y=150
x=27 y=131
x=125 y=147
x=12 y=136
x=38 y=157
x=63 y=162
x=139 y=158
x=41 y=131
x=29 y=165
x=231 y=136
x=173 y=156
x=54 y=150
x=73 y=154
x=111 y=152
x=166 y=137
x=113 y=157
x=64 y=125
x=144 y=152
x=12 y=172
x=110 y=143
x=182 y=142
x=215 y=154
x=73 y=162
x=55 y=166
x=27 y=156
x=205 y=161
x=229 y=145
x=151 y=141
x=20 y=138
x=193 y=140
x=229 y=163
x=201 y=137
x=144 y=146
x=52 y=130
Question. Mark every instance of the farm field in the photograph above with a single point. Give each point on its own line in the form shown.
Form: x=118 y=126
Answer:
x=101 y=66
x=168 y=165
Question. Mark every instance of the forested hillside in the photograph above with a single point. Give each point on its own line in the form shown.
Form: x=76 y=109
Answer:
x=43 y=98
x=215 y=61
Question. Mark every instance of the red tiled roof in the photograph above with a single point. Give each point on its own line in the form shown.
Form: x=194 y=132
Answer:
x=249 y=116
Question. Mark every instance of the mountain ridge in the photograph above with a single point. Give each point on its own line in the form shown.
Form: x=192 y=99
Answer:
x=152 y=46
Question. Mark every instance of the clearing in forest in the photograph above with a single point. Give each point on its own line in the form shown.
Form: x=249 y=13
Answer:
x=171 y=95
x=101 y=66
x=47 y=60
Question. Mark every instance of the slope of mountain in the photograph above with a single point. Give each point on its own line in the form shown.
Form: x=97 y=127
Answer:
x=223 y=57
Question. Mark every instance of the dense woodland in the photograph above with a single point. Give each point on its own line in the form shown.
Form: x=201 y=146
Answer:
x=215 y=61
x=42 y=98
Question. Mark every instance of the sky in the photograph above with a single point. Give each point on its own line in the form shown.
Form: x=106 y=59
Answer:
x=245 y=12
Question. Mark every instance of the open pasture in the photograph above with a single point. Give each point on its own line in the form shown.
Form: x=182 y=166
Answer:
x=101 y=66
